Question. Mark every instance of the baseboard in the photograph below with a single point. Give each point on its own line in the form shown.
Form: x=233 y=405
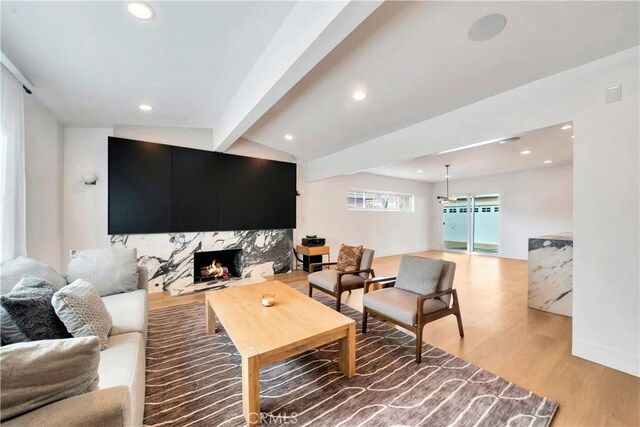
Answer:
x=607 y=356
x=400 y=252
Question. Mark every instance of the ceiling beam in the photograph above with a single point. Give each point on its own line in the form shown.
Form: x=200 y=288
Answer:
x=307 y=35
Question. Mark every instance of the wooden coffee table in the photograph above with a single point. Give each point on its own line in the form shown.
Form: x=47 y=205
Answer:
x=266 y=335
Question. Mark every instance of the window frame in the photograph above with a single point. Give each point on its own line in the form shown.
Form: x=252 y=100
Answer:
x=379 y=193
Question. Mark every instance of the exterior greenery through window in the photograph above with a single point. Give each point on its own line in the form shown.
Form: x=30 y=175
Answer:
x=379 y=201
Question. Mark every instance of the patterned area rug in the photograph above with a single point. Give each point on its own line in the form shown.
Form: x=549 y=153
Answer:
x=194 y=380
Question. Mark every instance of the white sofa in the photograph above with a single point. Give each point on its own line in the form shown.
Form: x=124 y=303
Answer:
x=119 y=400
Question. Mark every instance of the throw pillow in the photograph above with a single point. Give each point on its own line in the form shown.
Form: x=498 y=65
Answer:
x=349 y=258
x=12 y=271
x=37 y=373
x=419 y=275
x=82 y=311
x=29 y=306
x=9 y=331
x=111 y=271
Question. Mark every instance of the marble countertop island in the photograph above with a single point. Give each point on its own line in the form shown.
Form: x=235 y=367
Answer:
x=551 y=273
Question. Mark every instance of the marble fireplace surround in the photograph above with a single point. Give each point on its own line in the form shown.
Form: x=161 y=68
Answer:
x=169 y=256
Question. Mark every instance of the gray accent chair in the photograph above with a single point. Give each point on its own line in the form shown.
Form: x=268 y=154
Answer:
x=410 y=310
x=334 y=282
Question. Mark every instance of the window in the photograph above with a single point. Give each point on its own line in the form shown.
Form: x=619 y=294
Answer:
x=463 y=210
x=495 y=209
x=486 y=209
x=453 y=210
x=378 y=201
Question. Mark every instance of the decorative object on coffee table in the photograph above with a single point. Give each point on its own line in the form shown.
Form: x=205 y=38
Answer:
x=268 y=300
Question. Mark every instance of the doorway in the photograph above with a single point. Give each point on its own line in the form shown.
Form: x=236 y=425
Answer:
x=471 y=224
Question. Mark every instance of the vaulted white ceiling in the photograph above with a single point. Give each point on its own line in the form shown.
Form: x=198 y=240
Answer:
x=265 y=69
x=93 y=63
x=415 y=61
x=552 y=143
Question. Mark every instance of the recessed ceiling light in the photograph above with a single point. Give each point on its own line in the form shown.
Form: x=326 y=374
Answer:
x=573 y=136
x=487 y=27
x=145 y=107
x=525 y=152
x=419 y=171
x=359 y=95
x=565 y=127
x=288 y=137
x=547 y=161
x=447 y=176
x=141 y=10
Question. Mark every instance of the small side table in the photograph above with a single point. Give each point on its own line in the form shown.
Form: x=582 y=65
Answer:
x=313 y=254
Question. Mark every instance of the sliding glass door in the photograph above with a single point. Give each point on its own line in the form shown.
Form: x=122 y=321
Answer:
x=456 y=225
x=471 y=224
x=485 y=224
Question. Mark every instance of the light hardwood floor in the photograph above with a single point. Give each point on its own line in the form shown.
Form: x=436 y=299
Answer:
x=526 y=346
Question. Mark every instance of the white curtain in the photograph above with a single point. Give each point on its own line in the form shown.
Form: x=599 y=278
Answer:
x=12 y=170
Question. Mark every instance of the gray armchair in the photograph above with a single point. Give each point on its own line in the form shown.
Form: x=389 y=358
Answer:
x=406 y=307
x=334 y=282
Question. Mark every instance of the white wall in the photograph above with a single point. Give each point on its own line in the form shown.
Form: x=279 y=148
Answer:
x=322 y=210
x=44 y=175
x=200 y=138
x=85 y=206
x=532 y=203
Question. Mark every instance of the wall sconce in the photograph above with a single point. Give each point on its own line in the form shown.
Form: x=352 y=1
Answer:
x=89 y=179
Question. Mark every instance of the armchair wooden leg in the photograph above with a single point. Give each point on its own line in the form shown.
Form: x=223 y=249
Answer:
x=310 y=290
x=364 y=320
x=460 y=329
x=419 y=343
x=338 y=297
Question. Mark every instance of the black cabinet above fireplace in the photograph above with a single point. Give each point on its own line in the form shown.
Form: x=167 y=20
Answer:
x=155 y=188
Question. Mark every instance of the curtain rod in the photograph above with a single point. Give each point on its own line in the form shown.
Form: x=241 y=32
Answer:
x=26 y=84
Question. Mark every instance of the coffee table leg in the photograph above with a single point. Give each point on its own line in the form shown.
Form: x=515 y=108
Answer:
x=211 y=319
x=251 y=389
x=347 y=352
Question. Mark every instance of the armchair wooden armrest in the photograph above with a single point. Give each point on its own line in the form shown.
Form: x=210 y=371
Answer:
x=321 y=265
x=366 y=270
x=384 y=281
x=423 y=298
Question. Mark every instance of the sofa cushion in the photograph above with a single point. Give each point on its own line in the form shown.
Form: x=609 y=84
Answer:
x=37 y=373
x=12 y=271
x=418 y=274
x=123 y=364
x=129 y=312
x=328 y=279
x=82 y=311
x=349 y=258
x=29 y=306
x=111 y=270
x=399 y=304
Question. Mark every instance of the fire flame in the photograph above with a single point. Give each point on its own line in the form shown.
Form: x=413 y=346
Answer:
x=215 y=269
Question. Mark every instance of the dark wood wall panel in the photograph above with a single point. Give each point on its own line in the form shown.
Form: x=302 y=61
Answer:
x=241 y=194
x=139 y=187
x=278 y=194
x=155 y=188
x=196 y=179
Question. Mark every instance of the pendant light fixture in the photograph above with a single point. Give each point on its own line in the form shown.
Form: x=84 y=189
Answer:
x=447 y=199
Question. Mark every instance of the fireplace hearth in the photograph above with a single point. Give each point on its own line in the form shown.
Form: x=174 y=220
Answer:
x=217 y=266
